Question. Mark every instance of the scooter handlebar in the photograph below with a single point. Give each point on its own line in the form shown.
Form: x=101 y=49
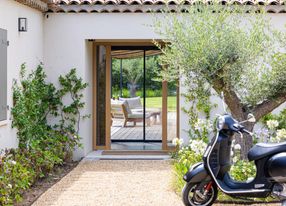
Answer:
x=246 y=131
x=241 y=128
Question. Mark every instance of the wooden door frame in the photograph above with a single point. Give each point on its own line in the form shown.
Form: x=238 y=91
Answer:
x=108 y=44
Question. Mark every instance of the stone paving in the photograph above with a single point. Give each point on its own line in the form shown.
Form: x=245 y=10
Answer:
x=114 y=183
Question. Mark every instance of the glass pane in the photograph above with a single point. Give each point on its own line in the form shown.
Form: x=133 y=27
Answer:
x=127 y=94
x=153 y=92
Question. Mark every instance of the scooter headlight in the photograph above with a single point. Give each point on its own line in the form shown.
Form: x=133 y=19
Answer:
x=220 y=123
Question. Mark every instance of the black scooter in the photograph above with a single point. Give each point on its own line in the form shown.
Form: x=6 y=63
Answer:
x=203 y=179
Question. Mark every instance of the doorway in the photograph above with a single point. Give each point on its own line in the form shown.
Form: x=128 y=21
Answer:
x=133 y=108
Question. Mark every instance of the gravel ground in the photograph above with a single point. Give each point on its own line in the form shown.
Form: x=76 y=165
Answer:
x=115 y=183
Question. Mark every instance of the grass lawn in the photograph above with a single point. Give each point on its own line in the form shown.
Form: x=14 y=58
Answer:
x=156 y=102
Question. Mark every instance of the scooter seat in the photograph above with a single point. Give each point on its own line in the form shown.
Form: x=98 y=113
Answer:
x=262 y=150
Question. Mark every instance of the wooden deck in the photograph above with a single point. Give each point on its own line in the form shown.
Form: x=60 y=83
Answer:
x=153 y=132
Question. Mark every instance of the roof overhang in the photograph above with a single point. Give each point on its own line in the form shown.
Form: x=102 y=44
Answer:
x=117 y=8
x=41 y=5
x=142 y=6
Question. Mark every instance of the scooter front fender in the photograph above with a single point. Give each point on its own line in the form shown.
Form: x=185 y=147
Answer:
x=197 y=173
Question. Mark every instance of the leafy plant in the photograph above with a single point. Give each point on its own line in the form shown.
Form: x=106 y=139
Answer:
x=34 y=100
x=41 y=145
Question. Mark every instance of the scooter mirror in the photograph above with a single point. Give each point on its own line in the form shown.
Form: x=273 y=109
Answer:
x=251 y=118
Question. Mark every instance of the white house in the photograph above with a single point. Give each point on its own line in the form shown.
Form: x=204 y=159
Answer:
x=89 y=35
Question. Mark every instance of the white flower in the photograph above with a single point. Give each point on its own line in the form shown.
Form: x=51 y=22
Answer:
x=235 y=159
x=13 y=162
x=198 y=146
x=176 y=141
x=9 y=185
x=281 y=134
x=237 y=147
x=232 y=143
x=201 y=124
x=272 y=124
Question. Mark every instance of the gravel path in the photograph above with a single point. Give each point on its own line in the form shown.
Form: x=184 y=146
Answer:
x=114 y=183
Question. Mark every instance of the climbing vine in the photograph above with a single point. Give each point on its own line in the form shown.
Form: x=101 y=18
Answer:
x=47 y=120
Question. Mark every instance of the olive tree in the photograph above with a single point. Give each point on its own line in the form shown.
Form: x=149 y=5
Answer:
x=226 y=49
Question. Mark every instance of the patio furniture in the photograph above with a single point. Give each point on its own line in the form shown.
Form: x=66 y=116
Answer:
x=133 y=102
x=135 y=106
x=121 y=110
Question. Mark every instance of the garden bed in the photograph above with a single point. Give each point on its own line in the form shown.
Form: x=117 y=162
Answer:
x=32 y=194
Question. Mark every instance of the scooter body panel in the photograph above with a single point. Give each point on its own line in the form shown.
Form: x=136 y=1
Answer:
x=276 y=167
x=197 y=174
x=218 y=161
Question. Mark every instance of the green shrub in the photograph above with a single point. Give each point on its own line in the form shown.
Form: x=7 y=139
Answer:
x=243 y=170
x=41 y=145
x=281 y=118
x=186 y=157
x=16 y=175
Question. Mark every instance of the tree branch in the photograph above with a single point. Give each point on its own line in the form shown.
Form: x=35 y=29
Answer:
x=230 y=97
x=268 y=106
x=234 y=104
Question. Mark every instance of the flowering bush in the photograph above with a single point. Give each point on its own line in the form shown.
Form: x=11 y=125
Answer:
x=201 y=129
x=241 y=170
x=271 y=132
x=186 y=156
x=274 y=129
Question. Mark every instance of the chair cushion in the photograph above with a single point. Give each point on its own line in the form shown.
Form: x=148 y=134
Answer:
x=134 y=102
x=116 y=105
x=138 y=115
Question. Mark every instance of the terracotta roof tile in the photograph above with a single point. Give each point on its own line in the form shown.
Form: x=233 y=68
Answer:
x=146 y=6
x=166 y=2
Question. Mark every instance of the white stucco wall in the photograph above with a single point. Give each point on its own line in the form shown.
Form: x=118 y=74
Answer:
x=24 y=47
x=60 y=41
x=65 y=47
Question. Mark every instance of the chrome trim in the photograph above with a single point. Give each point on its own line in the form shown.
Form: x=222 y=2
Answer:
x=195 y=165
x=214 y=178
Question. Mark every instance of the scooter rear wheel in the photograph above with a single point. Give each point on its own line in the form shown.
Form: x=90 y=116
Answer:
x=193 y=196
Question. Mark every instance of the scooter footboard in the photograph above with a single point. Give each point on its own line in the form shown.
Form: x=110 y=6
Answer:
x=197 y=173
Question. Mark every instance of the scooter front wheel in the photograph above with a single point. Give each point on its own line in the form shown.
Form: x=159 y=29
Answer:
x=193 y=195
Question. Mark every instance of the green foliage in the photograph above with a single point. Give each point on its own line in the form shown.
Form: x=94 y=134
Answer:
x=220 y=48
x=281 y=118
x=132 y=73
x=242 y=170
x=208 y=46
x=16 y=175
x=70 y=114
x=268 y=81
x=184 y=158
x=34 y=100
x=41 y=145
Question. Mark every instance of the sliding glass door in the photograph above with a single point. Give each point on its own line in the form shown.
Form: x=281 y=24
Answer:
x=153 y=98
x=136 y=92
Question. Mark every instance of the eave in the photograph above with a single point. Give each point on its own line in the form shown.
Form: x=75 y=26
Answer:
x=41 y=5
